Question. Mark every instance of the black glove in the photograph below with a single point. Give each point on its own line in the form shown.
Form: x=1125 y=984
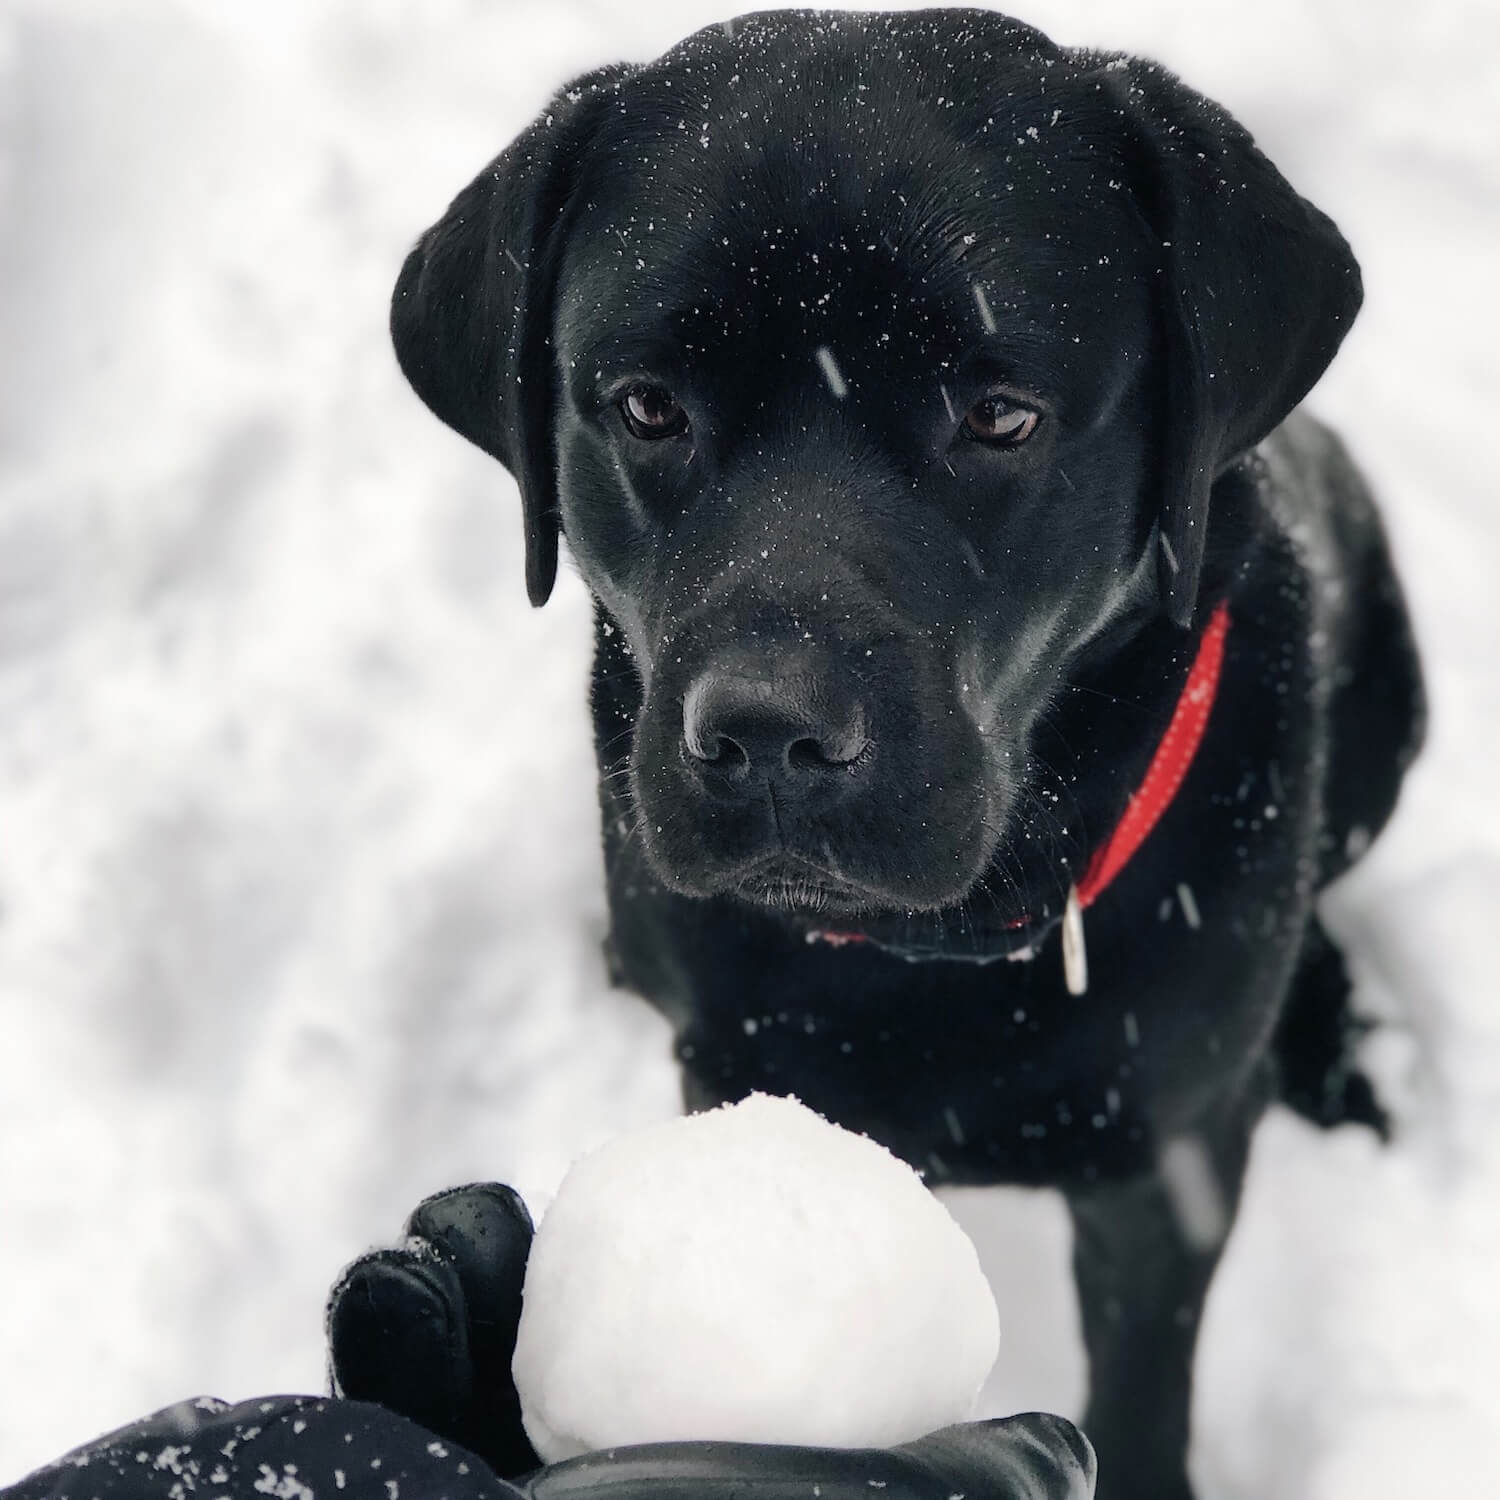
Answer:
x=428 y=1330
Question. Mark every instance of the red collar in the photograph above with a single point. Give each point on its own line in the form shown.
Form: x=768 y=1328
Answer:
x=1164 y=777
x=1169 y=766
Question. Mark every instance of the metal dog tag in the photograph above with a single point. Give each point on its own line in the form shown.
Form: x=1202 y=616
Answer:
x=1075 y=955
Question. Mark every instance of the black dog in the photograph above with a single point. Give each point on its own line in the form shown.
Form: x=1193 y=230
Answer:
x=913 y=394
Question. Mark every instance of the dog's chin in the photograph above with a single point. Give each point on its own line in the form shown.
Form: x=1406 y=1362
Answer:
x=811 y=891
x=813 y=899
x=802 y=892
x=970 y=926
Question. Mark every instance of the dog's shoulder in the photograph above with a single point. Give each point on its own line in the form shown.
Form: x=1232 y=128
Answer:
x=1359 y=631
x=1316 y=499
x=1315 y=492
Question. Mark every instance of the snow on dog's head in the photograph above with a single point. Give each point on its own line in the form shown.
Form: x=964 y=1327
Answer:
x=751 y=1274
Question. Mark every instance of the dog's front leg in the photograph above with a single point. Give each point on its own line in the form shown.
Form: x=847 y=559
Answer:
x=1144 y=1252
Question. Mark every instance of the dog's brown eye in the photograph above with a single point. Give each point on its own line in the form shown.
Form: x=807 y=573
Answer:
x=1000 y=422
x=650 y=412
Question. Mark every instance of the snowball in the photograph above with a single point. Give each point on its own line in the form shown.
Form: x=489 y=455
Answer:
x=752 y=1274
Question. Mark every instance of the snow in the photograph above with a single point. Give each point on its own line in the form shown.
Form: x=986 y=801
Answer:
x=1193 y=1190
x=752 y=1274
x=300 y=896
x=832 y=375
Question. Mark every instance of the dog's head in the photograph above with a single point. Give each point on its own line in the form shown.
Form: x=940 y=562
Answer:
x=878 y=369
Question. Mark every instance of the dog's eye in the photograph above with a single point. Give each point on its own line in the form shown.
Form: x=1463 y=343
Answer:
x=651 y=412
x=1000 y=422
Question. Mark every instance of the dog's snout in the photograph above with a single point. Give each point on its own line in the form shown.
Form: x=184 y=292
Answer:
x=741 y=731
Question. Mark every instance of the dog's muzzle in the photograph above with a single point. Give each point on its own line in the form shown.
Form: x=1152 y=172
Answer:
x=805 y=774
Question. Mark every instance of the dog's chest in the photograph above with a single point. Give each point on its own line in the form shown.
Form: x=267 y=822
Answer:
x=998 y=1075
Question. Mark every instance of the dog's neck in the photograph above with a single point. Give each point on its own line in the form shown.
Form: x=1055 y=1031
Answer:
x=1169 y=766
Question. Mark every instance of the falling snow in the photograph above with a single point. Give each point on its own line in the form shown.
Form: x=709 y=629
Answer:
x=298 y=796
x=831 y=372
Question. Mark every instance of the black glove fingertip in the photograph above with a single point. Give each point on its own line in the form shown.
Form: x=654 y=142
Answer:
x=484 y=1232
x=398 y=1336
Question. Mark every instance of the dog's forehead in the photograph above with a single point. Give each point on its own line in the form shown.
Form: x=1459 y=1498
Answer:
x=925 y=178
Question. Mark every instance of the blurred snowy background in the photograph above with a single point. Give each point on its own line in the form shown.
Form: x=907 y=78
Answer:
x=300 y=897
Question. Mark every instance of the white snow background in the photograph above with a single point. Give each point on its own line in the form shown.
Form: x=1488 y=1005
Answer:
x=300 y=897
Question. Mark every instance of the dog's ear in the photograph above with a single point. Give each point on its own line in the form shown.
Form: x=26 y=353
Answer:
x=1260 y=289
x=471 y=317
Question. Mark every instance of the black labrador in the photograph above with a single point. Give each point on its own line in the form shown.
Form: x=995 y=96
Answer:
x=991 y=667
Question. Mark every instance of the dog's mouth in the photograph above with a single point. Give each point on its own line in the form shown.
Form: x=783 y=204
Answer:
x=945 y=937
x=975 y=930
x=800 y=888
x=832 y=912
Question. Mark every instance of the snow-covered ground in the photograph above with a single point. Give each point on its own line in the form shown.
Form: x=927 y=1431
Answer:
x=299 y=889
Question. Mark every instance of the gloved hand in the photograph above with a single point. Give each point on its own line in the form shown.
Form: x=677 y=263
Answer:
x=428 y=1330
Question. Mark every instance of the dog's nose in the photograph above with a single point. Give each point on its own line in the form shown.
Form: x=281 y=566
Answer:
x=792 y=732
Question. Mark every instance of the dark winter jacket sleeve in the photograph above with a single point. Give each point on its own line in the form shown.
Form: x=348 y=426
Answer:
x=328 y=1448
x=284 y=1447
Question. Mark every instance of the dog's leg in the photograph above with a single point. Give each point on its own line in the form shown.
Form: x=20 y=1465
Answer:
x=1144 y=1252
x=1316 y=1041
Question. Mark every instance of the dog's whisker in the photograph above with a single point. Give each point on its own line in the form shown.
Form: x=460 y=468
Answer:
x=1115 y=698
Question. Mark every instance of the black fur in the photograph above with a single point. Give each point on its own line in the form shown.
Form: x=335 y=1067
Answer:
x=859 y=672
